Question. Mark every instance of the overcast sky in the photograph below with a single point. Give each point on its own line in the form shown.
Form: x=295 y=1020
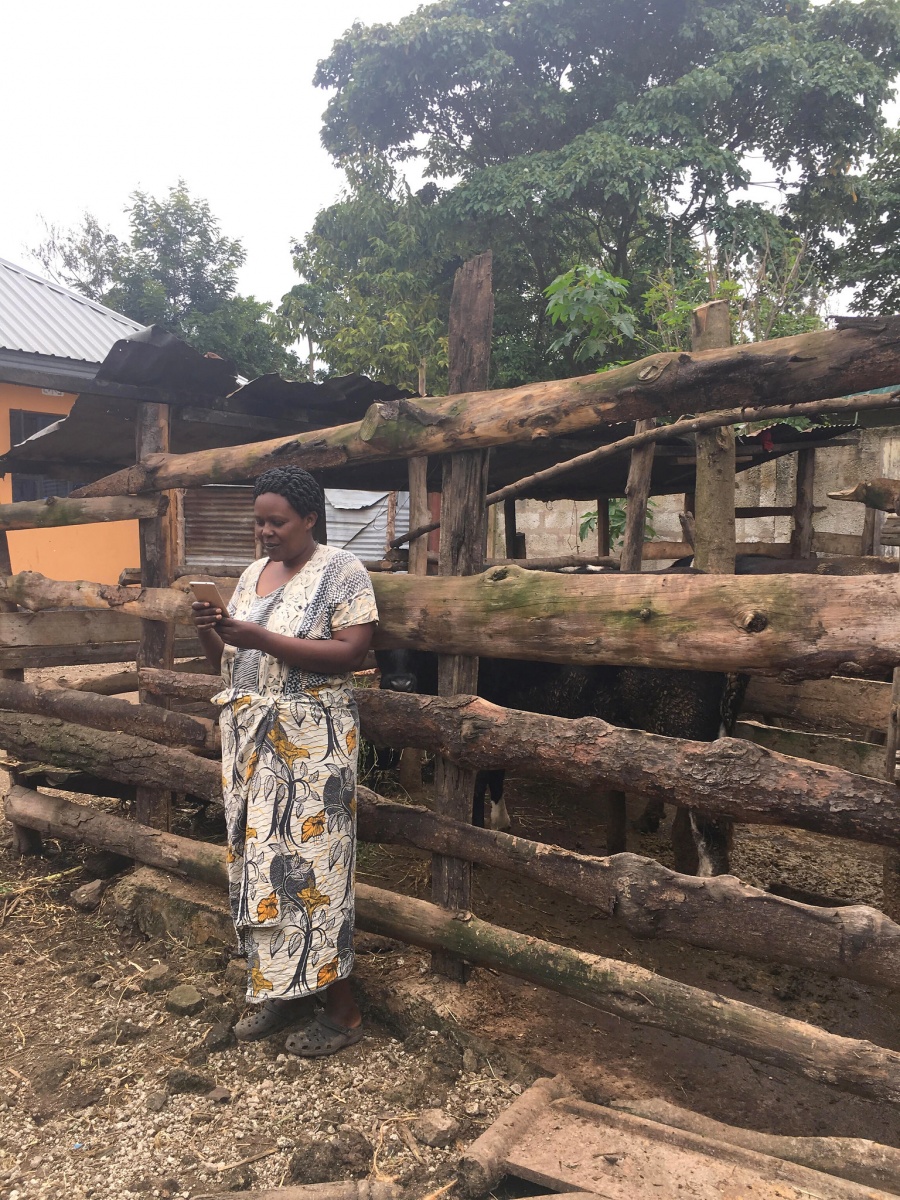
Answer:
x=104 y=96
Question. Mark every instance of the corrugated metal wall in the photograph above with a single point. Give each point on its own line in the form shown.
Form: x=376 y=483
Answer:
x=218 y=523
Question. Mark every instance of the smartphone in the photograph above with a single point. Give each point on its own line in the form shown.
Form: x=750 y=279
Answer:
x=206 y=591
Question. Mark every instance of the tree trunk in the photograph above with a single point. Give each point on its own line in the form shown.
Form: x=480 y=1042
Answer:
x=118 y=756
x=858 y=1159
x=56 y=511
x=105 y=712
x=462 y=550
x=650 y=901
x=811 y=366
x=619 y=988
x=727 y=777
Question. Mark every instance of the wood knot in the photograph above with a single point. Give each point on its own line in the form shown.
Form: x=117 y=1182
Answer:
x=498 y=574
x=754 y=622
x=645 y=614
x=539 y=433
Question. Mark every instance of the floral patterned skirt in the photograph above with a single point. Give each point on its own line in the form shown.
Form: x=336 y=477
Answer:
x=289 y=782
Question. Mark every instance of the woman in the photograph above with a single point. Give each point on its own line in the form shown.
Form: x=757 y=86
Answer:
x=300 y=621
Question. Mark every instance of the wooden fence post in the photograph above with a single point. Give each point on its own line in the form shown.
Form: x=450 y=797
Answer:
x=714 y=549
x=419 y=514
x=890 y=903
x=25 y=841
x=159 y=539
x=713 y=528
x=802 y=535
x=637 y=495
x=462 y=551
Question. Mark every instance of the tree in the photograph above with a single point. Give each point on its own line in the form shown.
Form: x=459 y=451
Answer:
x=611 y=132
x=176 y=270
x=870 y=258
x=375 y=289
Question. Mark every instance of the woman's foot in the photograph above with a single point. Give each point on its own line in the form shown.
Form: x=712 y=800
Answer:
x=323 y=1035
x=267 y=1018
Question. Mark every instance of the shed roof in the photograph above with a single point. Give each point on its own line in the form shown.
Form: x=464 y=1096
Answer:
x=38 y=316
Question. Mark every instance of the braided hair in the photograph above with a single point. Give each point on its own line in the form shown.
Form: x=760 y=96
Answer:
x=297 y=486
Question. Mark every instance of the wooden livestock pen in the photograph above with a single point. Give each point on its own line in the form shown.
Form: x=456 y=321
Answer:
x=791 y=633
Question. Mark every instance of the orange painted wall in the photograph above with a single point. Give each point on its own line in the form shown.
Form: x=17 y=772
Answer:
x=97 y=552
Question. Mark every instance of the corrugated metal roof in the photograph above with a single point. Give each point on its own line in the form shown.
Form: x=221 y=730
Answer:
x=38 y=316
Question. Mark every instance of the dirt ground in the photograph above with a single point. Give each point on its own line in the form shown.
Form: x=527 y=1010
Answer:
x=102 y=1090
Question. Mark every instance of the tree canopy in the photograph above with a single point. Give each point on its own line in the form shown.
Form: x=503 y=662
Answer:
x=177 y=270
x=603 y=132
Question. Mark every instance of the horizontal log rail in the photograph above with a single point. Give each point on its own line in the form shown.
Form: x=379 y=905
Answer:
x=841 y=705
x=650 y=901
x=788 y=624
x=761 y=625
x=861 y=758
x=56 y=511
x=809 y=367
x=686 y=427
x=623 y=989
x=727 y=777
x=160 y=725
x=121 y=757
x=858 y=757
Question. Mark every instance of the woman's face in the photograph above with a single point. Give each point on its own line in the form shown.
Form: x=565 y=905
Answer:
x=284 y=534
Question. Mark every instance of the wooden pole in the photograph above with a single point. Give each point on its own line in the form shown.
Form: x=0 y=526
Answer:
x=419 y=513
x=623 y=989
x=159 y=556
x=462 y=551
x=391 y=520
x=603 y=547
x=804 y=508
x=411 y=758
x=510 y=532
x=24 y=840
x=639 y=995
x=867 y=544
x=637 y=495
x=714 y=537
x=809 y=367
x=891 y=869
